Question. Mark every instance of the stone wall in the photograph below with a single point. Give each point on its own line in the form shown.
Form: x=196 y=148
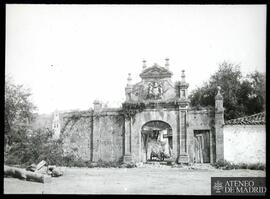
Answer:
x=93 y=135
x=76 y=135
x=108 y=136
x=103 y=134
x=245 y=143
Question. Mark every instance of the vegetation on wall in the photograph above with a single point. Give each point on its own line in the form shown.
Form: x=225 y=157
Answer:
x=226 y=165
x=242 y=95
x=129 y=110
x=72 y=118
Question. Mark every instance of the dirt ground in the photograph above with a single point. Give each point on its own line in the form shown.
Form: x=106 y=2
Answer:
x=145 y=180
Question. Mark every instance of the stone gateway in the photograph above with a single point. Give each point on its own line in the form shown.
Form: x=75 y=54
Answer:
x=154 y=123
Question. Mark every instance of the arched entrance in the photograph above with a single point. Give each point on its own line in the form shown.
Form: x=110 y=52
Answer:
x=156 y=141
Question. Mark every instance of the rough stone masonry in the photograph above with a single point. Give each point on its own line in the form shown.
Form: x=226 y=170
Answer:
x=157 y=110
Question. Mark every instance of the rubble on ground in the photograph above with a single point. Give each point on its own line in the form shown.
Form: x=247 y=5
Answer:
x=42 y=172
x=43 y=168
x=157 y=164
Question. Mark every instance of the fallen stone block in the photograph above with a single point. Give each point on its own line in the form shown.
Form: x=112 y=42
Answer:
x=56 y=172
x=32 y=167
x=40 y=165
x=14 y=172
x=42 y=170
x=51 y=167
x=26 y=175
x=139 y=164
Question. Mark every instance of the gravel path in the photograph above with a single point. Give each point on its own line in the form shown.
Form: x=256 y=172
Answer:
x=144 y=180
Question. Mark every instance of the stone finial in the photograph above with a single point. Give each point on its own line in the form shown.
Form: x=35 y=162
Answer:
x=183 y=76
x=96 y=101
x=144 y=64
x=167 y=63
x=97 y=105
x=219 y=88
x=219 y=96
x=129 y=79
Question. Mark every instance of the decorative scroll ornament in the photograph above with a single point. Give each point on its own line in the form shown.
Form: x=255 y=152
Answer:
x=155 y=90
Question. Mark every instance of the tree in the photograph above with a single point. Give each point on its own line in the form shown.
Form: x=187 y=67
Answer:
x=23 y=143
x=34 y=147
x=257 y=95
x=18 y=111
x=242 y=96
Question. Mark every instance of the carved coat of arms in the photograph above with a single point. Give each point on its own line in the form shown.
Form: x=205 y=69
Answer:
x=155 y=90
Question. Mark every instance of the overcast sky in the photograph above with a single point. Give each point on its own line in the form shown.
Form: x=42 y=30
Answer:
x=70 y=55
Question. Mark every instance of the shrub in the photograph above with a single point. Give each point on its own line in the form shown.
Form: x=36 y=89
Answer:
x=226 y=165
x=32 y=146
x=130 y=165
x=243 y=166
x=108 y=164
x=261 y=166
x=40 y=146
x=221 y=163
x=258 y=166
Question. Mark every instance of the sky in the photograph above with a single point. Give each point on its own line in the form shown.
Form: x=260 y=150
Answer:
x=71 y=55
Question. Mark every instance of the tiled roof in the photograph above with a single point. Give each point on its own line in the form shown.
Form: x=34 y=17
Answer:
x=258 y=118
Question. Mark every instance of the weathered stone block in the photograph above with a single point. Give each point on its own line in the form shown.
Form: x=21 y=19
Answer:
x=183 y=158
x=127 y=159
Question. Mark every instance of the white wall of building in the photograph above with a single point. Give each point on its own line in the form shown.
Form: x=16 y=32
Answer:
x=245 y=143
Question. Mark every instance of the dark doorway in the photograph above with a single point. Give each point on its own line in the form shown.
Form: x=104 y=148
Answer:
x=157 y=141
x=201 y=146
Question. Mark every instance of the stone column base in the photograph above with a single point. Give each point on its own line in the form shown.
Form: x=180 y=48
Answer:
x=127 y=159
x=183 y=158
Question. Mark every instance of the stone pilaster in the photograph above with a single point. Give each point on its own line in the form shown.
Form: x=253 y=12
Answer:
x=92 y=137
x=183 y=132
x=127 y=150
x=211 y=147
x=183 y=154
x=96 y=137
x=219 y=123
x=183 y=106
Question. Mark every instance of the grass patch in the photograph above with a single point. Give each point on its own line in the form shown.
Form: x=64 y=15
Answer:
x=226 y=165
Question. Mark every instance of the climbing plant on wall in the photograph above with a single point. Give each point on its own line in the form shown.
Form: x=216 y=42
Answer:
x=73 y=117
x=129 y=110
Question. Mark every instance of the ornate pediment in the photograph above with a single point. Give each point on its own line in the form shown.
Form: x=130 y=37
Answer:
x=155 y=71
x=153 y=89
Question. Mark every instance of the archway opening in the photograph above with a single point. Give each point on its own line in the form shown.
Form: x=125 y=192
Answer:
x=157 y=141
